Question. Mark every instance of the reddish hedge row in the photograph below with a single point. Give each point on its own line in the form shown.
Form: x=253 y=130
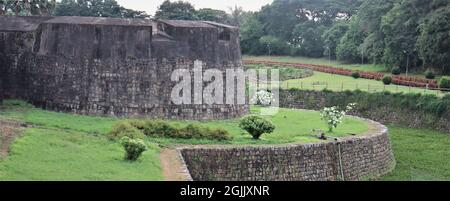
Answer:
x=399 y=80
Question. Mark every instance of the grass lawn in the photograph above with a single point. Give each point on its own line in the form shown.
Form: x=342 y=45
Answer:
x=291 y=126
x=421 y=154
x=59 y=146
x=47 y=154
x=73 y=147
x=320 y=81
x=332 y=63
x=319 y=61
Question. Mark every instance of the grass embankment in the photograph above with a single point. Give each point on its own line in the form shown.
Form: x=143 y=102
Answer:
x=73 y=147
x=59 y=146
x=421 y=154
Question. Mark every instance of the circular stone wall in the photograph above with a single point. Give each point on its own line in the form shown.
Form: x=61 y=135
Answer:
x=117 y=67
x=351 y=158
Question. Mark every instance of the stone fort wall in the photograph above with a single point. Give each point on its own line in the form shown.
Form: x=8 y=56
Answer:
x=115 y=67
x=351 y=158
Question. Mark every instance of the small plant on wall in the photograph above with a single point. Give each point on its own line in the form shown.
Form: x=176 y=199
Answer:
x=256 y=126
x=333 y=116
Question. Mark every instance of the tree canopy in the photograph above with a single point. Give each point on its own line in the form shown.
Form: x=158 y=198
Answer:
x=96 y=8
x=396 y=33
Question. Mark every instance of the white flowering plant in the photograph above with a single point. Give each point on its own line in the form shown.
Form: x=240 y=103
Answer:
x=263 y=98
x=333 y=116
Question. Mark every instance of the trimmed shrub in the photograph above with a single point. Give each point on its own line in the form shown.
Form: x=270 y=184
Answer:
x=356 y=75
x=124 y=129
x=429 y=75
x=444 y=83
x=396 y=71
x=387 y=80
x=256 y=126
x=133 y=148
x=160 y=128
x=220 y=134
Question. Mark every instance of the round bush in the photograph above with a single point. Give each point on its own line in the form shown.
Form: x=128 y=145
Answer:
x=387 y=80
x=122 y=129
x=430 y=75
x=444 y=83
x=256 y=126
x=396 y=71
x=356 y=75
x=133 y=148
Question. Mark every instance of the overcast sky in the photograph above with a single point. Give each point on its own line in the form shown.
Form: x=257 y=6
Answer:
x=150 y=6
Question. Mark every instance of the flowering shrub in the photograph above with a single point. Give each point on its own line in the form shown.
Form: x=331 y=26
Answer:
x=333 y=116
x=263 y=97
x=133 y=148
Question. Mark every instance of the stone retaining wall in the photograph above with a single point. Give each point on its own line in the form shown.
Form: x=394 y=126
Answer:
x=351 y=158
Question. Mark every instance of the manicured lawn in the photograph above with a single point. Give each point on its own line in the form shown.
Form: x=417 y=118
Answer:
x=421 y=154
x=319 y=61
x=320 y=81
x=291 y=126
x=59 y=146
x=72 y=147
x=332 y=63
x=47 y=154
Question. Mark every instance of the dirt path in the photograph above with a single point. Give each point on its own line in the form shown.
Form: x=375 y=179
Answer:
x=172 y=165
x=8 y=132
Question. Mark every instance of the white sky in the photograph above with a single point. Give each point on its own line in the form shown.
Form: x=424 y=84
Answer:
x=150 y=6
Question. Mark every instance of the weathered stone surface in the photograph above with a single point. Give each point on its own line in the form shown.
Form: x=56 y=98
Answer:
x=356 y=158
x=117 y=67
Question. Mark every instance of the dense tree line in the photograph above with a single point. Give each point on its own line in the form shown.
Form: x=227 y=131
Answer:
x=411 y=34
x=396 y=33
x=181 y=10
x=94 y=8
x=27 y=7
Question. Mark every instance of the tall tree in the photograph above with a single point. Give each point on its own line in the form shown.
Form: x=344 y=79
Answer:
x=178 y=10
x=208 y=14
x=349 y=48
x=370 y=14
x=400 y=26
x=307 y=39
x=434 y=41
x=251 y=33
x=27 y=7
x=332 y=37
x=96 y=8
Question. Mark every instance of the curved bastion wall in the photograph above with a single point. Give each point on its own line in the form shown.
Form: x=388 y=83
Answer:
x=351 y=158
x=115 y=67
